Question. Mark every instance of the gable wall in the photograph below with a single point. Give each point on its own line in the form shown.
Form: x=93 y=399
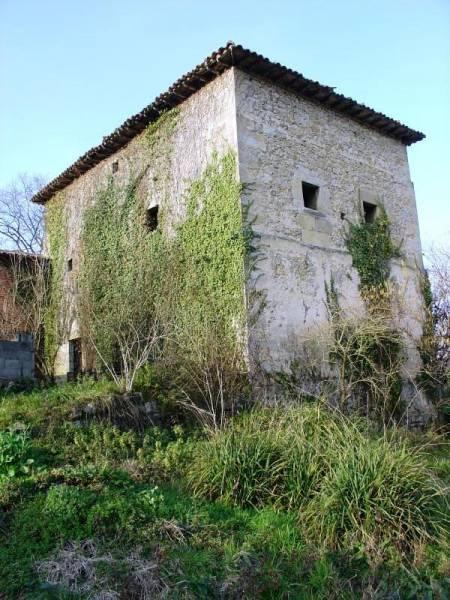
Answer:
x=283 y=140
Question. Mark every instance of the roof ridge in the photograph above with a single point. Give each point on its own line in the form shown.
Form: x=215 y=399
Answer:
x=225 y=57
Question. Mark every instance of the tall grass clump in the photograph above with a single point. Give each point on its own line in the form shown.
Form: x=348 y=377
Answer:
x=376 y=494
x=265 y=456
x=350 y=487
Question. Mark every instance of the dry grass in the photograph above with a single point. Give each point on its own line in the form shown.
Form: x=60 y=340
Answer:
x=79 y=569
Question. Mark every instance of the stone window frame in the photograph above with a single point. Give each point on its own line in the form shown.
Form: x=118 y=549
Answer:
x=369 y=198
x=301 y=175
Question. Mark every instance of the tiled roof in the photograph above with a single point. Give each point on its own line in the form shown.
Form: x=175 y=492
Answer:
x=212 y=67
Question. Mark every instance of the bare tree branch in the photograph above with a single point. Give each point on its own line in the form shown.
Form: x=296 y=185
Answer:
x=21 y=221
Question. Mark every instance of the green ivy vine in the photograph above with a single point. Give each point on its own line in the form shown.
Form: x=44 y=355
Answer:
x=372 y=249
x=57 y=241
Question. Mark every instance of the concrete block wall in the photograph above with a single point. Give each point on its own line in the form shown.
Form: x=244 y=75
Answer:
x=17 y=358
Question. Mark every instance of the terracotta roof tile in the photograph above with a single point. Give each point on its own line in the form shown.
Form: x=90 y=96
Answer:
x=213 y=66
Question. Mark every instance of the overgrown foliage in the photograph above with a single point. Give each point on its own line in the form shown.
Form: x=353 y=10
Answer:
x=56 y=297
x=15 y=454
x=209 y=253
x=434 y=373
x=372 y=249
x=352 y=488
x=121 y=282
x=108 y=512
x=174 y=295
x=366 y=353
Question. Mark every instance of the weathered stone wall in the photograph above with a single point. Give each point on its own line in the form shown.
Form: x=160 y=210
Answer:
x=206 y=124
x=283 y=140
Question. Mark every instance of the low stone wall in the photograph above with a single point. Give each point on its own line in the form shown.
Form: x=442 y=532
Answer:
x=17 y=358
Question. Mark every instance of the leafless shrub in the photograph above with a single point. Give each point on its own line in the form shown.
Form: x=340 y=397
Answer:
x=212 y=379
x=352 y=363
x=29 y=305
x=439 y=273
x=173 y=530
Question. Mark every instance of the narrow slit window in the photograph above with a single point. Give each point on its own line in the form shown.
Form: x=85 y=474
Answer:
x=115 y=166
x=310 y=195
x=69 y=264
x=152 y=218
x=370 y=212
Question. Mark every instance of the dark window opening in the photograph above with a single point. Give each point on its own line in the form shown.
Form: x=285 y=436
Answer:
x=75 y=360
x=310 y=195
x=69 y=264
x=115 y=166
x=370 y=212
x=152 y=218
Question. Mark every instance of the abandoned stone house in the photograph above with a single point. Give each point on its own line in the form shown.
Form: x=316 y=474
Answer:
x=313 y=160
x=16 y=343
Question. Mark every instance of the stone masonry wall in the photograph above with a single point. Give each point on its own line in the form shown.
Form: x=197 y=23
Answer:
x=206 y=124
x=283 y=140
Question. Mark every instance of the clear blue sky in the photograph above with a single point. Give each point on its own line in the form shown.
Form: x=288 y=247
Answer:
x=72 y=70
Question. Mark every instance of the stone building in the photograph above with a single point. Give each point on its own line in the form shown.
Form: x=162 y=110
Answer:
x=314 y=161
x=16 y=344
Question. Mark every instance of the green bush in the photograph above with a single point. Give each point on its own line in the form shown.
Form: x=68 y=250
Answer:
x=243 y=468
x=98 y=443
x=66 y=508
x=15 y=454
x=351 y=488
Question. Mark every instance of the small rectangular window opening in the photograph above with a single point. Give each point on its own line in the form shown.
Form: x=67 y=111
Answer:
x=370 y=212
x=152 y=218
x=310 y=195
x=69 y=264
x=115 y=166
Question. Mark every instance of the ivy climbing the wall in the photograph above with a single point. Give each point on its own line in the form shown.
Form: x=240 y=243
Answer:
x=372 y=249
x=433 y=374
x=210 y=249
x=54 y=296
x=120 y=282
x=177 y=292
x=367 y=352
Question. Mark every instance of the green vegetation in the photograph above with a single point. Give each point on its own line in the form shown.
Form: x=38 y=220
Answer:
x=368 y=353
x=372 y=249
x=197 y=268
x=292 y=503
x=54 y=304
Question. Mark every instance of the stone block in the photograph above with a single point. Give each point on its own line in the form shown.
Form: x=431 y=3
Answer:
x=316 y=238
